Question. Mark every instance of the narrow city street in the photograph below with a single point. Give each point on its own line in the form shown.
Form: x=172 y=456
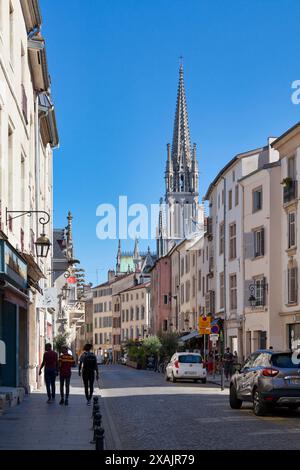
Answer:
x=142 y=411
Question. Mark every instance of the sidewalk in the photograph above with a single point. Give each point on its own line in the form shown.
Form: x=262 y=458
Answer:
x=36 y=425
x=216 y=379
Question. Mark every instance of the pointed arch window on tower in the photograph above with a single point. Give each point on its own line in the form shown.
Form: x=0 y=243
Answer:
x=171 y=183
x=182 y=183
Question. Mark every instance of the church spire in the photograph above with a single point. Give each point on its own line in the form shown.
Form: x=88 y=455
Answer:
x=136 y=256
x=181 y=148
x=119 y=255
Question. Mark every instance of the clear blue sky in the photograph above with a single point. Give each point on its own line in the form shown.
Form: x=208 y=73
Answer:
x=114 y=69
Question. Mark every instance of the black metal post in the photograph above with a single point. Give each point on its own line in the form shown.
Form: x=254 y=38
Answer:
x=96 y=409
x=97 y=425
x=99 y=435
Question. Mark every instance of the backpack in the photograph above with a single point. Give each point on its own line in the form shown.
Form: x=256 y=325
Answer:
x=89 y=362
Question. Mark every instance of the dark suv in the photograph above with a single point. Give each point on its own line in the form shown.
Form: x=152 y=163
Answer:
x=268 y=378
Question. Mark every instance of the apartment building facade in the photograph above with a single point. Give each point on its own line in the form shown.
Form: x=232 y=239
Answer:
x=135 y=312
x=288 y=146
x=107 y=313
x=28 y=135
x=161 y=299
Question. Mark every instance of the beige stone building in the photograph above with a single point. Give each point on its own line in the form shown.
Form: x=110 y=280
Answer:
x=184 y=310
x=104 y=313
x=28 y=135
x=261 y=192
x=135 y=312
x=287 y=334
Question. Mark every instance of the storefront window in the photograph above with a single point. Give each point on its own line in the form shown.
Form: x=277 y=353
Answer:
x=294 y=336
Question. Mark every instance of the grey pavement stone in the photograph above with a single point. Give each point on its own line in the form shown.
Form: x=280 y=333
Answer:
x=34 y=424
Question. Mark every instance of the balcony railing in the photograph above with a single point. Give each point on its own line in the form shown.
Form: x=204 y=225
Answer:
x=290 y=191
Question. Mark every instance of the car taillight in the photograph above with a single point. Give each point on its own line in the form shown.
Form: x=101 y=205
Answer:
x=270 y=372
x=176 y=364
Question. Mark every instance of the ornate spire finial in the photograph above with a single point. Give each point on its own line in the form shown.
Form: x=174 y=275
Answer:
x=119 y=255
x=181 y=147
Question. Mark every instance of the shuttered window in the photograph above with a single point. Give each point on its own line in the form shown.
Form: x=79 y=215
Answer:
x=259 y=242
x=233 y=291
x=232 y=244
x=292 y=285
x=291 y=229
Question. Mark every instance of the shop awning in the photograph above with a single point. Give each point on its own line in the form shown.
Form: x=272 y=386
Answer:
x=193 y=334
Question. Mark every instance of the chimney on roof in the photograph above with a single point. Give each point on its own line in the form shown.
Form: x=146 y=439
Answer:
x=111 y=275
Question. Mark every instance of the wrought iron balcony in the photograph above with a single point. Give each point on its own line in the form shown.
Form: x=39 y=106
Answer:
x=290 y=191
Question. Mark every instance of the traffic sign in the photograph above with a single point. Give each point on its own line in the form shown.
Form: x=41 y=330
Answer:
x=204 y=322
x=204 y=331
x=215 y=329
x=213 y=337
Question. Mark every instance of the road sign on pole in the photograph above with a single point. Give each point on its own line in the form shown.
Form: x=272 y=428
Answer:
x=204 y=322
x=204 y=331
x=215 y=329
x=213 y=337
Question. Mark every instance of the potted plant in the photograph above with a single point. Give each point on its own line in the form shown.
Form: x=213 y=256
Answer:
x=287 y=182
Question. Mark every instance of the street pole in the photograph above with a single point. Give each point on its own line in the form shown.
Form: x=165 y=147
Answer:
x=225 y=274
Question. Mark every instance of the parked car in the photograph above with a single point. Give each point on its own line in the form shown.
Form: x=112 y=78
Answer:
x=185 y=365
x=267 y=379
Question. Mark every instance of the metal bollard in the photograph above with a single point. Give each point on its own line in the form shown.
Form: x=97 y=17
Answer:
x=222 y=378
x=96 y=409
x=97 y=425
x=95 y=401
x=99 y=437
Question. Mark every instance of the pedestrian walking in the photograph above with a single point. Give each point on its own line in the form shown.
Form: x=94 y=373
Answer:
x=88 y=364
x=65 y=364
x=50 y=363
x=228 y=359
x=210 y=362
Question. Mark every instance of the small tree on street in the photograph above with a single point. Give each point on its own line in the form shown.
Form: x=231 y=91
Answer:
x=169 y=344
x=59 y=341
x=152 y=345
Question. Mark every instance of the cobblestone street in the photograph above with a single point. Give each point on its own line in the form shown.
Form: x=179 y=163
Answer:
x=142 y=411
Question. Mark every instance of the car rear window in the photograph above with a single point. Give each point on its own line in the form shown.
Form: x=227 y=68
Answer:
x=283 y=361
x=190 y=359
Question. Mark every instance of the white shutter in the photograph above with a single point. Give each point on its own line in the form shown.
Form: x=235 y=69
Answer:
x=248 y=245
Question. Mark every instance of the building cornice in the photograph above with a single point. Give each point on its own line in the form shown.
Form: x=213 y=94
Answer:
x=287 y=142
x=38 y=64
x=32 y=14
x=229 y=165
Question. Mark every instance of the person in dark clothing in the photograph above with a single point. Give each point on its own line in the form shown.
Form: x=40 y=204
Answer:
x=228 y=360
x=88 y=364
x=50 y=362
x=66 y=362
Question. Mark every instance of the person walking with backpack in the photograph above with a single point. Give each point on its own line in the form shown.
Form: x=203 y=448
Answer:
x=50 y=362
x=66 y=362
x=88 y=364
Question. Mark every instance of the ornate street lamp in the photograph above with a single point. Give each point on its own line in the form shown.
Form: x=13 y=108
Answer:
x=42 y=244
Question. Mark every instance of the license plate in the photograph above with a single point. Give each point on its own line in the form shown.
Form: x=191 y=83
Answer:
x=190 y=372
x=294 y=381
